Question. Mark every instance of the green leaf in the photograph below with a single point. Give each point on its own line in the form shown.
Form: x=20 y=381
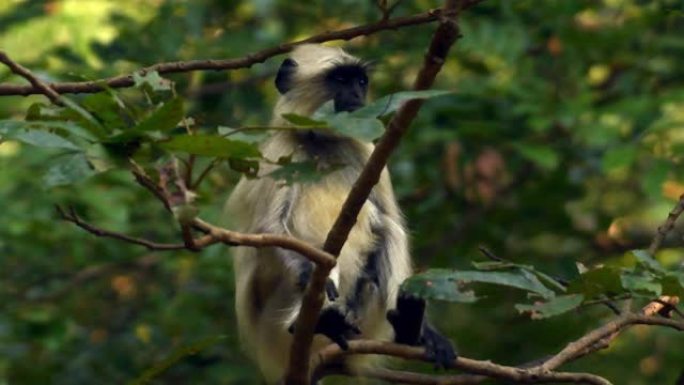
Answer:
x=647 y=261
x=152 y=80
x=505 y=265
x=308 y=171
x=439 y=288
x=542 y=156
x=390 y=103
x=553 y=307
x=251 y=135
x=40 y=138
x=619 y=157
x=107 y=109
x=211 y=145
x=51 y=113
x=364 y=129
x=520 y=279
x=673 y=284
x=303 y=121
x=67 y=170
x=250 y=168
x=164 y=118
x=640 y=283
x=604 y=280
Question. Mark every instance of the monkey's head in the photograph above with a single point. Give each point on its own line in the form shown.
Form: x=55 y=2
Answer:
x=315 y=74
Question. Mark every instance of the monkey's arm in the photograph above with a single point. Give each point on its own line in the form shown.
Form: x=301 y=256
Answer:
x=411 y=328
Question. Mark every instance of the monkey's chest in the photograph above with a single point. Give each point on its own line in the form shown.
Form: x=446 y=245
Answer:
x=317 y=208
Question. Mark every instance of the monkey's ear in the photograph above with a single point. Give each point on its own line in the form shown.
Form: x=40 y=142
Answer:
x=283 y=80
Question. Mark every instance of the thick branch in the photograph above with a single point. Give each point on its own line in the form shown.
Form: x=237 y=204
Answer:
x=445 y=35
x=226 y=64
x=36 y=84
x=485 y=368
x=404 y=377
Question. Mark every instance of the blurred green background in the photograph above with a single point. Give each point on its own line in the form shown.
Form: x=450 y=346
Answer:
x=562 y=142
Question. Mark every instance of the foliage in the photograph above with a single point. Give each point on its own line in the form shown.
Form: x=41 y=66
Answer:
x=557 y=144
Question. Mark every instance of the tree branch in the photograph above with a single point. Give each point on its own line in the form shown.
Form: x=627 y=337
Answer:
x=602 y=336
x=484 y=368
x=312 y=302
x=227 y=64
x=36 y=84
x=667 y=226
x=318 y=256
x=214 y=235
x=72 y=217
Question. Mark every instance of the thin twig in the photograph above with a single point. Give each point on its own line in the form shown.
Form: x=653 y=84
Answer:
x=227 y=64
x=312 y=301
x=36 y=84
x=72 y=217
x=667 y=226
x=318 y=256
x=602 y=336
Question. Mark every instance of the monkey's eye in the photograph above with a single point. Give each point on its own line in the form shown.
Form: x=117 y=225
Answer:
x=340 y=79
x=363 y=81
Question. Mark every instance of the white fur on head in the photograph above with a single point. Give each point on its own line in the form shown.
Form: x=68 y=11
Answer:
x=308 y=91
x=314 y=60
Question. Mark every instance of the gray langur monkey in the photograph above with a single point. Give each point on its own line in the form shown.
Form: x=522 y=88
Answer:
x=363 y=289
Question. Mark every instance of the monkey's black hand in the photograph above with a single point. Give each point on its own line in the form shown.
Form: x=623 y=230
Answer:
x=336 y=325
x=407 y=319
x=410 y=328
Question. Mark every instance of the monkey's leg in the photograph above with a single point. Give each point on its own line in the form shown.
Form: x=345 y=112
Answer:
x=411 y=328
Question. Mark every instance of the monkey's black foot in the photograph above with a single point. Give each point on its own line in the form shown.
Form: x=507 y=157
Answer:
x=335 y=324
x=438 y=348
x=407 y=319
x=411 y=328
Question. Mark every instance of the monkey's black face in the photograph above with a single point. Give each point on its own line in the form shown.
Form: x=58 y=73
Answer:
x=348 y=85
